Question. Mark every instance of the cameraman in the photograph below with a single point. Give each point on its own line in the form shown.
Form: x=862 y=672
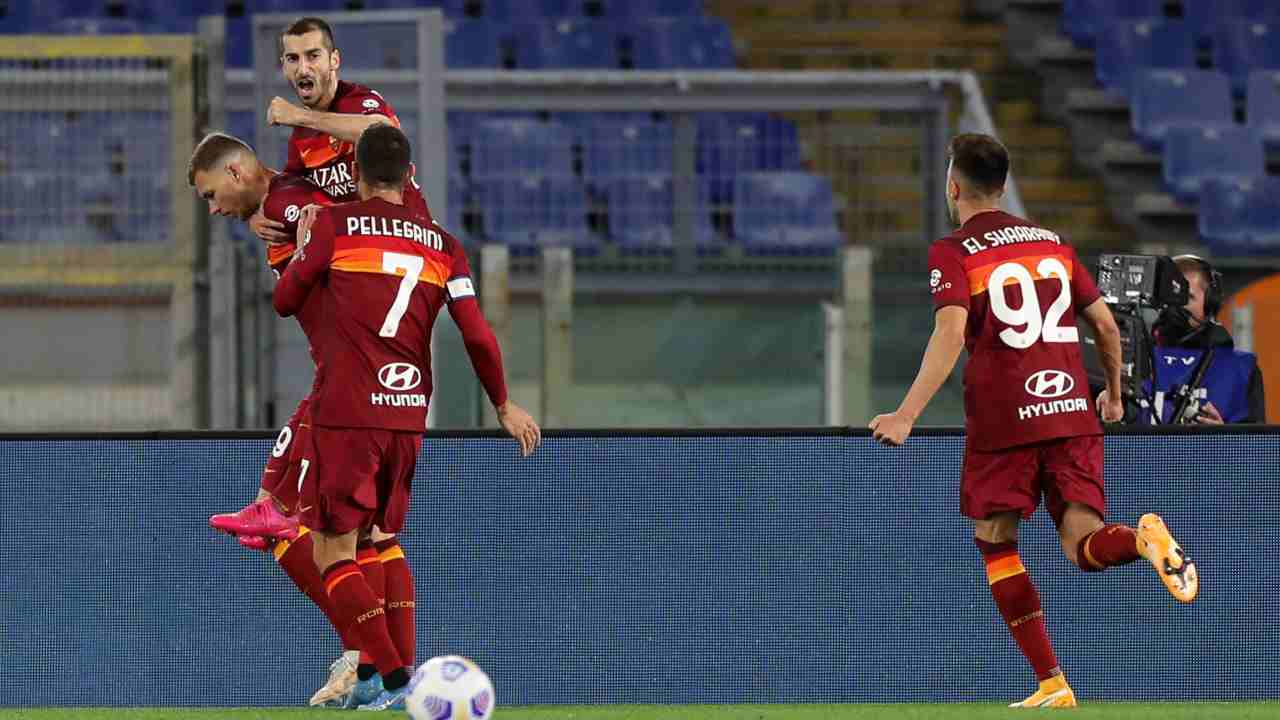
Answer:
x=1190 y=342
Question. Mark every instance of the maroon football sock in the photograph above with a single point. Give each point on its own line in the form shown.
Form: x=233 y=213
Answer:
x=354 y=602
x=1107 y=547
x=400 y=597
x=367 y=559
x=1019 y=605
x=297 y=560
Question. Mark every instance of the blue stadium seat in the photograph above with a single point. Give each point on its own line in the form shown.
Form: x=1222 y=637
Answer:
x=1242 y=46
x=1083 y=19
x=472 y=44
x=1240 y=217
x=239 y=47
x=1193 y=154
x=642 y=212
x=529 y=212
x=785 y=210
x=729 y=143
x=626 y=148
x=682 y=43
x=1133 y=46
x=311 y=7
x=566 y=44
x=1160 y=102
x=45 y=14
x=1263 y=108
x=1205 y=16
x=642 y=9
x=400 y=4
x=458 y=196
x=15 y=18
x=519 y=146
x=244 y=125
x=97 y=26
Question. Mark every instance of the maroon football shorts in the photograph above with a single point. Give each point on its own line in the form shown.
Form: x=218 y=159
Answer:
x=1061 y=470
x=355 y=478
x=280 y=476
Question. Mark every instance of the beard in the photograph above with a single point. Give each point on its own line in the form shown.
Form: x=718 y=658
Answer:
x=315 y=93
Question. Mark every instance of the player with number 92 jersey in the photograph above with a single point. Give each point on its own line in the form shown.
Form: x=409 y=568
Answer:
x=1022 y=285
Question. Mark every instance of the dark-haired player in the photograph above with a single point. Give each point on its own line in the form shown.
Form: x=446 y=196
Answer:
x=381 y=272
x=1008 y=290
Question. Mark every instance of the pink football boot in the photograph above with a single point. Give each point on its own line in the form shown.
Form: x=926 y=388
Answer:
x=253 y=542
x=261 y=518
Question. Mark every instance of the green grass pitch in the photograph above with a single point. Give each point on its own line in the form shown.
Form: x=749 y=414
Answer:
x=958 y=711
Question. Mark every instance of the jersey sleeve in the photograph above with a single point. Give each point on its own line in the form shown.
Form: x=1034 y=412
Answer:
x=363 y=101
x=459 y=286
x=1084 y=291
x=948 y=282
x=309 y=265
x=293 y=163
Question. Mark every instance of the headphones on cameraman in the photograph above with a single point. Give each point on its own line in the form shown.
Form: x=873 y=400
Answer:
x=1213 y=293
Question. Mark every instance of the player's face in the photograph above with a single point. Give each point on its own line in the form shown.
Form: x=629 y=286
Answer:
x=225 y=195
x=310 y=67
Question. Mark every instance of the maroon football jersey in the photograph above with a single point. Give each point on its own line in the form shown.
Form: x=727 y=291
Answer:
x=1022 y=285
x=382 y=272
x=328 y=161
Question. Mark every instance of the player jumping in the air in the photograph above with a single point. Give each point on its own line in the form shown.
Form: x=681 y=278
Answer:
x=1008 y=290
x=381 y=273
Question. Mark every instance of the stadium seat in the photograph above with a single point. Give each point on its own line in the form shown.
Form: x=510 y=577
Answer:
x=15 y=18
x=529 y=212
x=642 y=9
x=1242 y=46
x=642 y=212
x=1193 y=154
x=45 y=14
x=299 y=7
x=239 y=47
x=566 y=44
x=1263 y=108
x=1083 y=19
x=472 y=44
x=682 y=43
x=1133 y=46
x=626 y=148
x=96 y=26
x=1160 y=102
x=785 y=210
x=458 y=195
x=518 y=146
x=1204 y=16
x=729 y=143
x=400 y=4
x=1238 y=217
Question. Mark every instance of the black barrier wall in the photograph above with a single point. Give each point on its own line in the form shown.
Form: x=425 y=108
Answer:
x=659 y=568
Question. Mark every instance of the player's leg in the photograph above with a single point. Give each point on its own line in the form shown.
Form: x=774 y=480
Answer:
x=268 y=516
x=344 y=466
x=1076 y=498
x=997 y=489
x=395 y=478
x=401 y=598
x=371 y=567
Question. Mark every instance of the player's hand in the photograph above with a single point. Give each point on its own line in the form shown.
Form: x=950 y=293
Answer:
x=890 y=429
x=305 y=220
x=268 y=230
x=283 y=112
x=1110 y=408
x=1209 y=415
x=520 y=425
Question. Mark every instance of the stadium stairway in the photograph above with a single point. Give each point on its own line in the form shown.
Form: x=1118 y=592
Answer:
x=869 y=155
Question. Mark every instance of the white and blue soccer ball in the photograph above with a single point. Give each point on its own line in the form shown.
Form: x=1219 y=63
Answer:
x=450 y=687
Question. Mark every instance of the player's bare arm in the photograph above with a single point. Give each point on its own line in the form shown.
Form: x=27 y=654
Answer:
x=939 y=360
x=344 y=126
x=1098 y=315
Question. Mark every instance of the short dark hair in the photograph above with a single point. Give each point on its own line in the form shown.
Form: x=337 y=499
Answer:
x=214 y=148
x=383 y=156
x=982 y=160
x=302 y=26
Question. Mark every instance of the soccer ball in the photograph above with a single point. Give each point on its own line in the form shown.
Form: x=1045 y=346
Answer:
x=450 y=687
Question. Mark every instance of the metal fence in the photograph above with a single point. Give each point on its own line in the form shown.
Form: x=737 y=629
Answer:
x=100 y=250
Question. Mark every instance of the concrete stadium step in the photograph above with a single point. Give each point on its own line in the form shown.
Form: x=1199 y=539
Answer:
x=1059 y=190
x=828 y=10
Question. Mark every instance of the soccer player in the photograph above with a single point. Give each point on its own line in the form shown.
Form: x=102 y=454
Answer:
x=228 y=175
x=1008 y=290
x=381 y=272
x=328 y=123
